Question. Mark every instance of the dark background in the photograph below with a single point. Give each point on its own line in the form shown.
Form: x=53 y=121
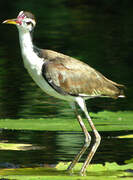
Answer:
x=99 y=33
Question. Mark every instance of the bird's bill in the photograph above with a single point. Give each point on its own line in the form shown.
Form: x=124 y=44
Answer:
x=11 y=21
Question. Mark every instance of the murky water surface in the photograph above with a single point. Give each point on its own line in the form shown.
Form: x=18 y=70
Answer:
x=49 y=148
x=98 y=33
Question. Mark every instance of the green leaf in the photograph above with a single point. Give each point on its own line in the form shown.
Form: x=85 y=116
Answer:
x=104 y=121
x=110 y=171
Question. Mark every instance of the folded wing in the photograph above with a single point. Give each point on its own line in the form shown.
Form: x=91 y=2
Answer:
x=71 y=76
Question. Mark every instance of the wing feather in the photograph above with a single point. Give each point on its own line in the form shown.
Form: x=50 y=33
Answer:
x=71 y=76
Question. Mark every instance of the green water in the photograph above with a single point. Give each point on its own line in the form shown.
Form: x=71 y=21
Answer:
x=50 y=147
x=51 y=140
x=98 y=33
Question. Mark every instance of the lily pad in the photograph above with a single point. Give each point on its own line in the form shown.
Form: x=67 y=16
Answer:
x=97 y=167
x=13 y=146
x=19 y=147
x=111 y=171
x=126 y=136
x=104 y=121
x=129 y=161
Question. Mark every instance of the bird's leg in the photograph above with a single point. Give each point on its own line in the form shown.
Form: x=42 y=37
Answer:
x=87 y=139
x=82 y=104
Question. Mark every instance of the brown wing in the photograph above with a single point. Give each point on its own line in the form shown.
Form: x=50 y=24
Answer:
x=71 y=76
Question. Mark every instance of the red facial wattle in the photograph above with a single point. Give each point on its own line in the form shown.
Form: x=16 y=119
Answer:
x=20 y=18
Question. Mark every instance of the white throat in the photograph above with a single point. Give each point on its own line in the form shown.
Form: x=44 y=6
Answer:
x=32 y=62
x=25 y=40
x=30 y=58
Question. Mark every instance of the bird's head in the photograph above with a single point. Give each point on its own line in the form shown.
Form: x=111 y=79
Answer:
x=25 y=20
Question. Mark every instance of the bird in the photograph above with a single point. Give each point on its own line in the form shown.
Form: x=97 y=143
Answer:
x=66 y=78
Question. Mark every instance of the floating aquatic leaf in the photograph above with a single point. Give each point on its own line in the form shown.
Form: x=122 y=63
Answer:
x=110 y=171
x=126 y=136
x=104 y=121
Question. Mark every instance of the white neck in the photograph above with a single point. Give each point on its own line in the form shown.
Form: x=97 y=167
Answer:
x=25 y=40
x=27 y=48
x=32 y=62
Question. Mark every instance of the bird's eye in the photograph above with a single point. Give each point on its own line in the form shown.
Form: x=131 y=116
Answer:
x=28 y=23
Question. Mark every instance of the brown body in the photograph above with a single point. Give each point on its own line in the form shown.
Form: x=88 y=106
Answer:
x=77 y=78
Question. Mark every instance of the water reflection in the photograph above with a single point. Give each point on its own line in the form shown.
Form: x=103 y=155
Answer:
x=61 y=146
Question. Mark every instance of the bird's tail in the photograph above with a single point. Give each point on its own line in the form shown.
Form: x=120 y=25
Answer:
x=121 y=90
x=118 y=88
